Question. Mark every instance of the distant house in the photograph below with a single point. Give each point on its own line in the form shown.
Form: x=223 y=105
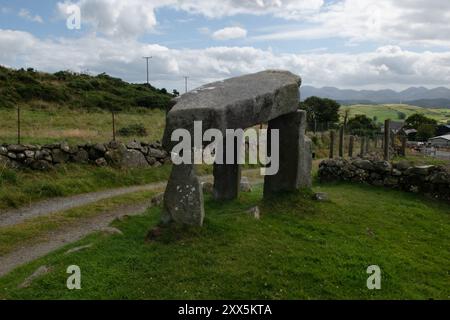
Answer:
x=440 y=141
x=443 y=129
x=395 y=126
x=410 y=134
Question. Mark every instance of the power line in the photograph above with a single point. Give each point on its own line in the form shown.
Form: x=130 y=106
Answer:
x=147 y=59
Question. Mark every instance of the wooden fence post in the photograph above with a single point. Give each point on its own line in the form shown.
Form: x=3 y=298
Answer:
x=331 y=144
x=363 y=142
x=341 y=142
x=387 y=135
x=350 y=146
x=18 y=125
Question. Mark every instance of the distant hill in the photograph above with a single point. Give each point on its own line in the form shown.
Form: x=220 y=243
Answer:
x=419 y=96
x=74 y=90
x=396 y=112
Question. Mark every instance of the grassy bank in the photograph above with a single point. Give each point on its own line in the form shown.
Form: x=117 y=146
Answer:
x=300 y=249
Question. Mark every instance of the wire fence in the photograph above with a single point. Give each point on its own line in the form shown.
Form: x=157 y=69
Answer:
x=35 y=126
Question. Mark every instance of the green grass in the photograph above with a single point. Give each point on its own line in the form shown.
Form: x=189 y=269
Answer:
x=300 y=249
x=18 y=188
x=391 y=111
x=420 y=160
x=56 y=123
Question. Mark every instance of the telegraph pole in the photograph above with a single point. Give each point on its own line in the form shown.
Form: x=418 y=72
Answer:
x=147 y=59
x=185 y=84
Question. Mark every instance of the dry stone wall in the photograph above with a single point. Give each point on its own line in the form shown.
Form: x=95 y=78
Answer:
x=429 y=180
x=131 y=155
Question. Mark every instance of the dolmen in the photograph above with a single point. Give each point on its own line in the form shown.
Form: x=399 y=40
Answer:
x=271 y=97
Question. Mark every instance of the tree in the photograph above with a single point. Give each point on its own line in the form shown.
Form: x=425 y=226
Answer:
x=175 y=92
x=415 y=120
x=321 y=112
x=425 y=132
x=361 y=125
x=401 y=115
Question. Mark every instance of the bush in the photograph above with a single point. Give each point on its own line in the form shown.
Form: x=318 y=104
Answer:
x=137 y=130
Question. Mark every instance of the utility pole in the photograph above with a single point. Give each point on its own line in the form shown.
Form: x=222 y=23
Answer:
x=147 y=59
x=185 y=84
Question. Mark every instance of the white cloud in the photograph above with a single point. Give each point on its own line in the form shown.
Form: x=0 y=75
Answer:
x=386 y=67
x=116 y=17
x=134 y=17
x=406 y=22
x=25 y=14
x=230 y=33
x=288 y=9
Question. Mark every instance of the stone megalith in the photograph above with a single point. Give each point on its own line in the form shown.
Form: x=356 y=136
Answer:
x=238 y=103
x=295 y=154
x=183 y=198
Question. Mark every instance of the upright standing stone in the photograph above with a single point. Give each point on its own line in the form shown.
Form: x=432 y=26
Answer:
x=295 y=154
x=227 y=178
x=305 y=164
x=387 y=135
x=350 y=146
x=341 y=142
x=332 y=134
x=183 y=198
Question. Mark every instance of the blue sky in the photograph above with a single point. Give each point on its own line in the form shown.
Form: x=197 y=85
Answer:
x=344 y=43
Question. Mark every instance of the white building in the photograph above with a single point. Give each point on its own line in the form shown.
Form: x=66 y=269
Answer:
x=441 y=141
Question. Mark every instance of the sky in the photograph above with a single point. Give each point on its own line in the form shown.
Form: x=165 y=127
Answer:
x=358 y=44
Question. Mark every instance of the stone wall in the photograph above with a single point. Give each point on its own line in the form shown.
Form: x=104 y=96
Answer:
x=132 y=155
x=429 y=180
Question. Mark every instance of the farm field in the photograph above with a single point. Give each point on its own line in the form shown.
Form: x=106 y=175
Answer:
x=391 y=111
x=55 y=124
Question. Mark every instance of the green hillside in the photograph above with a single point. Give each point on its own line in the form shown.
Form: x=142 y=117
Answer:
x=73 y=90
x=395 y=111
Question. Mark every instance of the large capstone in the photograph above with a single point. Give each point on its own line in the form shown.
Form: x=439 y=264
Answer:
x=235 y=103
x=183 y=198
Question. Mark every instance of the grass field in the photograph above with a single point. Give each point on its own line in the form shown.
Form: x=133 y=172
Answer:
x=391 y=111
x=299 y=249
x=55 y=124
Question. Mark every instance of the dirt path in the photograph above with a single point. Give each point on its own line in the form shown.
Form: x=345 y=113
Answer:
x=83 y=227
x=53 y=205
x=49 y=206
x=67 y=235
